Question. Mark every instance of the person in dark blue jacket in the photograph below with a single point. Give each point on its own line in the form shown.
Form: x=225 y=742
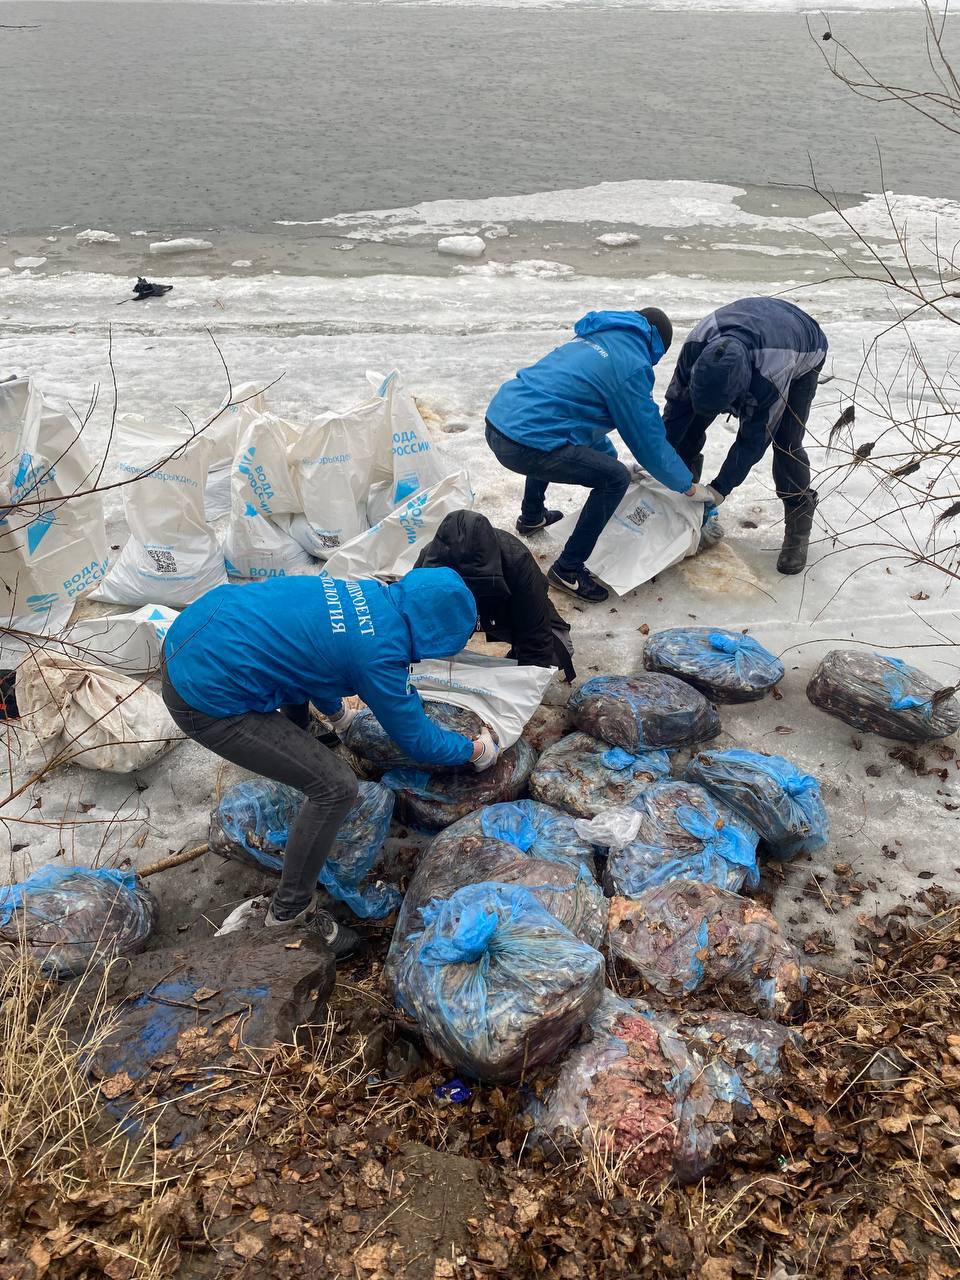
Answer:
x=759 y=358
x=551 y=423
x=241 y=651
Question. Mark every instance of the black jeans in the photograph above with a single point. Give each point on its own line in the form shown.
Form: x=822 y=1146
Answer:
x=791 y=466
x=605 y=477
x=275 y=747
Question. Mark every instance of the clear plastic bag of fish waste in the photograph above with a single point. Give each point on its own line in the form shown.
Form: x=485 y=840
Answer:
x=522 y=843
x=644 y=712
x=683 y=834
x=431 y=800
x=70 y=919
x=366 y=737
x=583 y=776
x=884 y=695
x=783 y=805
x=498 y=986
x=686 y=937
x=726 y=666
x=660 y=1095
x=252 y=823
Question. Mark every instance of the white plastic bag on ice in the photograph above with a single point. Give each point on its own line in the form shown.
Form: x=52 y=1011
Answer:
x=407 y=457
x=390 y=548
x=259 y=543
x=171 y=556
x=333 y=466
x=90 y=716
x=503 y=694
x=237 y=412
x=128 y=642
x=55 y=551
x=651 y=529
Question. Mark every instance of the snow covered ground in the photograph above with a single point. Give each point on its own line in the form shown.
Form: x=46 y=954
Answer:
x=456 y=331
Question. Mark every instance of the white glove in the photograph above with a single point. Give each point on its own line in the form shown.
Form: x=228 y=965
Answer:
x=704 y=493
x=489 y=749
x=637 y=473
x=341 y=722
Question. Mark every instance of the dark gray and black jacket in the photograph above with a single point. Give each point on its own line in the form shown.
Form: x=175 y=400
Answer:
x=754 y=349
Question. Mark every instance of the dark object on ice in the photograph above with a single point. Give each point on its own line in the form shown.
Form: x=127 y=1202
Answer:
x=727 y=666
x=252 y=822
x=523 y=843
x=8 y=696
x=74 y=918
x=145 y=289
x=783 y=805
x=798 y=525
x=583 y=776
x=497 y=985
x=367 y=738
x=879 y=694
x=685 y=936
x=453 y=1091
x=430 y=800
x=683 y=835
x=643 y=711
x=507 y=583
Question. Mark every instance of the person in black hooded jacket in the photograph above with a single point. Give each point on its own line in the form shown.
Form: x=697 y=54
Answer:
x=510 y=590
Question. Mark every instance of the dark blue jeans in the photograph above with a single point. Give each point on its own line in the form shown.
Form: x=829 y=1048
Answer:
x=605 y=477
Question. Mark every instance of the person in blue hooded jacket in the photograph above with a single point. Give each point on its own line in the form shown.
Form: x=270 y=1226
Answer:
x=759 y=358
x=242 y=651
x=551 y=423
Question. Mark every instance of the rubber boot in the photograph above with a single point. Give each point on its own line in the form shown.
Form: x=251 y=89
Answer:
x=798 y=525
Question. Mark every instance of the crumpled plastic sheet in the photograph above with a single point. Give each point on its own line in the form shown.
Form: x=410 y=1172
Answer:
x=683 y=834
x=643 y=712
x=497 y=985
x=430 y=801
x=727 y=666
x=367 y=738
x=783 y=805
x=583 y=776
x=252 y=822
x=880 y=694
x=522 y=843
x=660 y=1094
x=72 y=919
x=685 y=936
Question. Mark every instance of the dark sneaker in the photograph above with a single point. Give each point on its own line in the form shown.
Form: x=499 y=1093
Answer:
x=581 y=584
x=526 y=527
x=341 y=939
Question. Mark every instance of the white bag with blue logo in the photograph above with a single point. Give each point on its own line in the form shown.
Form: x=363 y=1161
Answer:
x=501 y=692
x=55 y=550
x=236 y=412
x=408 y=460
x=171 y=556
x=264 y=500
x=651 y=529
x=127 y=642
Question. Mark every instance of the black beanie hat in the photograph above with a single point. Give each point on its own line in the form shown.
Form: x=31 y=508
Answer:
x=661 y=322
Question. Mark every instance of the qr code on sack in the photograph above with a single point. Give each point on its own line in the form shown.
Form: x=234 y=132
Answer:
x=164 y=560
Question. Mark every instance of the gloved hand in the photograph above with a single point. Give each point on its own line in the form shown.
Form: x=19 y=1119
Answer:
x=341 y=722
x=485 y=750
x=704 y=493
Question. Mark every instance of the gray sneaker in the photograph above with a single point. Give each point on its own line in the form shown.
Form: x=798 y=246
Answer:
x=341 y=939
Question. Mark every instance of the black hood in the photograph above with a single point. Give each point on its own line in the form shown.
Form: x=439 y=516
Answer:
x=467 y=541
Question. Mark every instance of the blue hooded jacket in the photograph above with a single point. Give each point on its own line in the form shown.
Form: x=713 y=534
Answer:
x=600 y=382
x=254 y=646
x=741 y=359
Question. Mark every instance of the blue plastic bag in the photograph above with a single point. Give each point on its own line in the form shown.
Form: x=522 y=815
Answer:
x=783 y=805
x=497 y=985
x=683 y=834
x=583 y=776
x=879 y=694
x=252 y=823
x=431 y=800
x=644 y=712
x=727 y=666
x=74 y=918
x=367 y=739
x=519 y=843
